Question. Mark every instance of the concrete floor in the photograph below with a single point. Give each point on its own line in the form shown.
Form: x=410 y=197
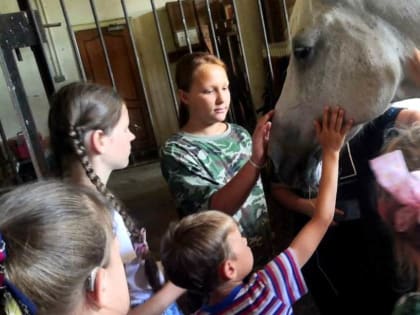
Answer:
x=144 y=192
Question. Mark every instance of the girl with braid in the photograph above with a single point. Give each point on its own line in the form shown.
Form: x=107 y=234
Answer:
x=90 y=137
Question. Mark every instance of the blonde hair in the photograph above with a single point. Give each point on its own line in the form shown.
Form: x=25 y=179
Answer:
x=55 y=235
x=406 y=139
x=193 y=249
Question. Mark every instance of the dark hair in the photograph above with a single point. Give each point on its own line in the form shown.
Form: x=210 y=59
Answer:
x=55 y=235
x=184 y=76
x=76 y=109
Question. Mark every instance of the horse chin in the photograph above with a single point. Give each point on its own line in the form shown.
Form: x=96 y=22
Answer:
x=308 y=174
x=299 y=171
x=302 y=171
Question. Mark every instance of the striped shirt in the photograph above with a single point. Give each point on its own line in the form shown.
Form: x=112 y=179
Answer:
x=271 y=290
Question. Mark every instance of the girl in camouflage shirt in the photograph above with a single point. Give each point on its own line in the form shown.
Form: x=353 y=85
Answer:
x=212 y=164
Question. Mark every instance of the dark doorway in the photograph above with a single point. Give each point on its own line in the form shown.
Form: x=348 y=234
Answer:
x=127 y=81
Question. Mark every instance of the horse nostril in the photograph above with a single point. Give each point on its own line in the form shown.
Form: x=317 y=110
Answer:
x=302 y=52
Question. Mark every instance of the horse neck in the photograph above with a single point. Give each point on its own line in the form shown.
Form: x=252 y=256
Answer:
x=404 y=16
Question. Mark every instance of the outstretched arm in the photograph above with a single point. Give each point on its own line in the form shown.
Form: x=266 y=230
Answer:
x=331 y=135
x=159 y=302
x=290 y=200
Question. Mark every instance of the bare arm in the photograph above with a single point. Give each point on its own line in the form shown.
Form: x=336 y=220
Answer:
x=407 y=117
x=230 y=198
x=292 y=201
x=159 y=302
x=331 y=136
x=288 y=199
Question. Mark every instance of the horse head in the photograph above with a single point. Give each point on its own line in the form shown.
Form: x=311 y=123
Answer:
x=351 y=53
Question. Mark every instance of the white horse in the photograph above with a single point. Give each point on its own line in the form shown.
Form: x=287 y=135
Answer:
x=352 y=53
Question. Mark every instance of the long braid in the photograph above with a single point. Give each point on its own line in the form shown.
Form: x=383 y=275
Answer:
x=78 y=108
x=151 y=267
x=77 y=135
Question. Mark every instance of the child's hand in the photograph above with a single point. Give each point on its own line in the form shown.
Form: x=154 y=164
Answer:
x=141 y=247
x=333 y=130
x=260 y=138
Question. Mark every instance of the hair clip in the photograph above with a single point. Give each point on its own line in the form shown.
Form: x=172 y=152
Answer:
x=11 y=294
x=2 y=259
x=2 y=250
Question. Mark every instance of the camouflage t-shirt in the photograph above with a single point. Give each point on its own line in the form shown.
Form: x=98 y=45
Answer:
x=196 y=167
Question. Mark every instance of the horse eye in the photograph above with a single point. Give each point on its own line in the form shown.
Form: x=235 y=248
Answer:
x=302 y=50
x=302 y=53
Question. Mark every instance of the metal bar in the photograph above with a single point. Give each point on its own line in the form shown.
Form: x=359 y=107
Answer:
x=184 y=24
x=231 y=112
x=238 y=23
x=75 y=48
x=138 y=64
x=165 y=58
x=213 y=32
x=103 y=44
x=286 y=15
x=267 y=46
x=21 y=105
x=38 y=48
x=55 y=60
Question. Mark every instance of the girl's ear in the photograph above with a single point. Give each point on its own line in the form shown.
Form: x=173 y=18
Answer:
x=183 y=96
x=97 y=297
x=97 y=141
x=227 y=270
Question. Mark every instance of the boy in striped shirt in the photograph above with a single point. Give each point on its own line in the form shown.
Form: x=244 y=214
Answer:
x=206 y=253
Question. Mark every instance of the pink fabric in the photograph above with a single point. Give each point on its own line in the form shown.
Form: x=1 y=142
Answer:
x=393 y=175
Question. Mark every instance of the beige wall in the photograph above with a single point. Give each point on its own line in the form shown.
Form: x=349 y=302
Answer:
x=162 y=106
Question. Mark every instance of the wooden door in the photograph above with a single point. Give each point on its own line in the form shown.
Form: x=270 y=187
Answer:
x=127 y=81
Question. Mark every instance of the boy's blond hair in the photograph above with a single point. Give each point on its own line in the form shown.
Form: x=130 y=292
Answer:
x=193 y=249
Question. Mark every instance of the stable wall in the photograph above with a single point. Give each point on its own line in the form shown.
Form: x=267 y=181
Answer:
x=162 y=106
